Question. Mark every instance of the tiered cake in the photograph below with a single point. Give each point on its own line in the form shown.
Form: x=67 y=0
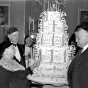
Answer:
x=52 y=49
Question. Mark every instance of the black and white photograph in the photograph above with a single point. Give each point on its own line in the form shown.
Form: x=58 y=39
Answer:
x=43 y=43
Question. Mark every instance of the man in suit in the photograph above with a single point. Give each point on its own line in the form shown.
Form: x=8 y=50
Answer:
x=78 y=69
x=16 y=79
x=72 y=40
x=12 y=39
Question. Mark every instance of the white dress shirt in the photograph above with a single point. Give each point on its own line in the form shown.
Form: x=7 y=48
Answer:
x=17 y=54
x=84 y=48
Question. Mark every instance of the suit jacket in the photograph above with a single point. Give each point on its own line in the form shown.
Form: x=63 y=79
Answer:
x=16 y=78
x=78 y=71
x=6 y=44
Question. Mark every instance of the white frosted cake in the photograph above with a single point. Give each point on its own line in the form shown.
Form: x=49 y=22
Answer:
x=52 y=49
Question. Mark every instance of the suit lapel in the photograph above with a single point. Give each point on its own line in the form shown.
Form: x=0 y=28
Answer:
x=21 y=54
x=82 y=57
x=71 y=67
x=14 y=58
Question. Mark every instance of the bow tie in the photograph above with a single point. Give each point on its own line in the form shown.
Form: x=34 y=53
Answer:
x=14 y=44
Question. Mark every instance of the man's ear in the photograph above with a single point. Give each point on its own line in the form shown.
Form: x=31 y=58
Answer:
x=9 y=36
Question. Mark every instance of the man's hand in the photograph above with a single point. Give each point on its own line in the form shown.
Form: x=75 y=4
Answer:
x=36 y=64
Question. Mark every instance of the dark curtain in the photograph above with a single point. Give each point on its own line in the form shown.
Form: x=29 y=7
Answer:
x=33 y=9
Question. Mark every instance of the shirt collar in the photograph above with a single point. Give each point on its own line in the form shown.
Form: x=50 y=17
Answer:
x=85 y=47
x=13 y=43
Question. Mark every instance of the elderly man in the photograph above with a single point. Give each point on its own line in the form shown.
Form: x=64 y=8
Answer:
x=78 y=69
x=12 y=76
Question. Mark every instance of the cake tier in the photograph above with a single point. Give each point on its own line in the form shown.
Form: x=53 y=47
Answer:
x=52 y=39
x=52 y=15
x=52 y=54
x=52 y=26
x=50 y=73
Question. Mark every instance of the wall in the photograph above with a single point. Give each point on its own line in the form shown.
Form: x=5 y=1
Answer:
x=17 y=13
x=2 y=28
x=72 y=10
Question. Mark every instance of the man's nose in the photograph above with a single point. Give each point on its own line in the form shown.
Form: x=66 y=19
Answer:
x=76 y=40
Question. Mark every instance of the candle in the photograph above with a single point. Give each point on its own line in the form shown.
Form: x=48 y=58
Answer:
x=53 y=40
x=53 y=25
x=58 y=6
x=42 y=39
x=63 y=40
x=29 y=23
x=42 y=26
x=44 y=6
x=60 y=14
x=65 y=56
x=40 y=55
x=47 y=15
x=51 y=56
x=48 y=5
x=31 y=53
x=33 y=24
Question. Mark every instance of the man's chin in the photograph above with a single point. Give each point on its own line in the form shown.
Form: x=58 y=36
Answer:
x=80 y=46
x=15 y=42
